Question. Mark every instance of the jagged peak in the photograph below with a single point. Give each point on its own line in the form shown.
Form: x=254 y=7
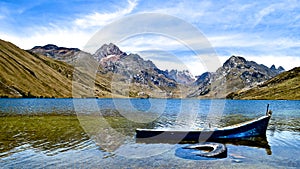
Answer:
x=204 y=78
x=204 y=75
x=180 y=76
x=233 y=61
x=108 y=49
x=110 y=45
x=280 y=68
x=236 y=58
x=273 y=67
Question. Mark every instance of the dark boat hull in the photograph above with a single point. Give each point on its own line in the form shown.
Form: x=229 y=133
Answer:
x=253 y=128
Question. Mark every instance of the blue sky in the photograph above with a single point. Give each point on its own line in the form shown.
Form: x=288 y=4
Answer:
x=265 y=31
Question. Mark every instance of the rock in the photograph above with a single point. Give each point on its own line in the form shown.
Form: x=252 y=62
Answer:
x=273 y=67
x=68 y=55
x=279 y=70
x=108 y=51
x=235 y=74
x=132 y=67
x=182 y=77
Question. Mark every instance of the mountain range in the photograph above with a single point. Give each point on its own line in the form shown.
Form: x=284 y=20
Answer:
x=283 y=86
x=47 y=71
x=235 y=74
x=27 y=74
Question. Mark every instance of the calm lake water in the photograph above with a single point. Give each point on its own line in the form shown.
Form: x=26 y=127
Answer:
x=100 y=133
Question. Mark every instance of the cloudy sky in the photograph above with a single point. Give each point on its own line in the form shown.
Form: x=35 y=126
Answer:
x=265 y=31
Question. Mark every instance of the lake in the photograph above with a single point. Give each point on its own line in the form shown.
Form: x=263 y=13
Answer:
x=100 y=133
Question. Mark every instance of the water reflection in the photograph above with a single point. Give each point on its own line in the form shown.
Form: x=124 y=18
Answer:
x=256 y=142
x=38 y=140
x=54 y=133
x=50 y=134
x=111 y=129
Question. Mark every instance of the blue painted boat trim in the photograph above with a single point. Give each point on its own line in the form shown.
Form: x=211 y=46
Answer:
x=252 y=128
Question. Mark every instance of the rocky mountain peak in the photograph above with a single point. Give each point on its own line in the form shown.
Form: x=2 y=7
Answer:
x=234 y=62
x=133 y=69
x=51 y=47
x=180 y=76
x=279 y=70
x=273 y=67
x=59 y=53
x=236 y=73
x=204 y=78
x=46 y=47
x=107 y=50
x=202 y=84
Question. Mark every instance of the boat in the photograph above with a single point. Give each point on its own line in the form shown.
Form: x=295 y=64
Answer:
x=249 y=129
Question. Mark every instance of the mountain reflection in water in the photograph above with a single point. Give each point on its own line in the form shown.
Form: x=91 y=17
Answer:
x=55 y=133
x=49 y=134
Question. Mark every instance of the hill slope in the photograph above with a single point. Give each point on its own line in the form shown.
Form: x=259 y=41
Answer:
x=283 y=86
x=129 y=75
x=235 y=74
x=26 y=74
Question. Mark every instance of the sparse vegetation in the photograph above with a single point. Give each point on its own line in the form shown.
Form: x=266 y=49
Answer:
x=32 y=75
x=284 y=86
x=25 y=74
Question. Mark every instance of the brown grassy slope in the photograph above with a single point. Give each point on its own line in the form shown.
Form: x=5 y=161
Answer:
x=284 y=86
x=25 y=74
x=22 y=75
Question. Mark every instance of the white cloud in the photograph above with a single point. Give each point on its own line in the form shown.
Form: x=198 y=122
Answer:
x=278 y=51
x=101 y=19
x=75 y=34
x=188 y=10
x=168 y=53
x=262 y=13
x=255 y=40
x=61 y=37
x=167 y=60
x=232 y=22
x=285 y=6
x=148 y=42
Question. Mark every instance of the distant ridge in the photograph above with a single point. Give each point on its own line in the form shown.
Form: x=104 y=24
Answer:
x=235 y=74
x=67 y=55
x=27 y=74
x=47 y=71
x=284 y=86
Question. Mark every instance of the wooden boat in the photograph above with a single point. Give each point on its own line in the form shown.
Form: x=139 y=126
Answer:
x=249 y=129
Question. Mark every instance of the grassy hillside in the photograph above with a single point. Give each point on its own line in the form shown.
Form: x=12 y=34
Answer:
x=25 y=74
x=284 y=86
